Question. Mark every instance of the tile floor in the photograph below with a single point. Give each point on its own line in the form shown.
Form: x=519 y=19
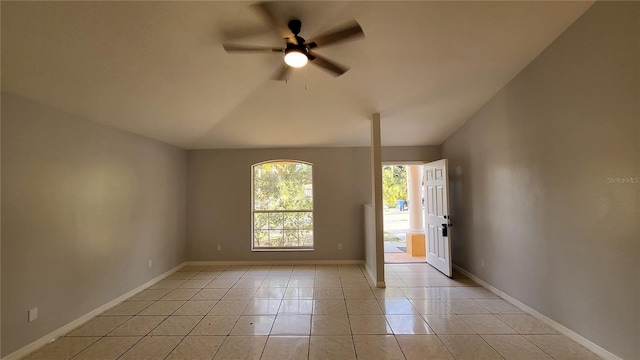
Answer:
x=312 y=312
x=403 y=257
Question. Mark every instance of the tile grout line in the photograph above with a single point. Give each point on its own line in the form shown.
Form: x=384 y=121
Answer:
x=190 y=331
x=510 y=327
x=440 y=296
x=109 y=332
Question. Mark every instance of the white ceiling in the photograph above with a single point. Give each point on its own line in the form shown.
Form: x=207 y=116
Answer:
x=158 y=69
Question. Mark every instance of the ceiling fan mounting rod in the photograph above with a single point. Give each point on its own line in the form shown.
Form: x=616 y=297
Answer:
x=295 y=25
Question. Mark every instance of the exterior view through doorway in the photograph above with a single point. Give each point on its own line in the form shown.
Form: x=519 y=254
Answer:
x=403 y=213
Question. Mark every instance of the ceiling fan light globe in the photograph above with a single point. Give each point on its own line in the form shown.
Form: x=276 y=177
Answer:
x=295 y=59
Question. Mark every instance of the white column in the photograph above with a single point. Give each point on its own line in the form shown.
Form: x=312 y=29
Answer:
x=414 y=185
x=375 y=254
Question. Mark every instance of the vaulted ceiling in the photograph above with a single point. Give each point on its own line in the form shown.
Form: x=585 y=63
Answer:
x=158 y=68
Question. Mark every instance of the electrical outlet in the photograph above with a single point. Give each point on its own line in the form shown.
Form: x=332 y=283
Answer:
x=482 y=263
x=339 y=246
x=33 y=314
x=150 y=263
x=219 y=247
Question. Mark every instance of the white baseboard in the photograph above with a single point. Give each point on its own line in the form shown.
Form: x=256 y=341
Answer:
x=278 y=262
x=554 y=324
x=84 y=318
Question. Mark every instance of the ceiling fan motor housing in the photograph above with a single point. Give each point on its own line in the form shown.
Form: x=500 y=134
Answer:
x=296 y=47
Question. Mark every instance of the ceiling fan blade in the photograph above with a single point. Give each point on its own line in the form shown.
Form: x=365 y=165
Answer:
x=281 y=74
x=231 y=48
x=335 y=68
x=277 y=25
x=347 y=32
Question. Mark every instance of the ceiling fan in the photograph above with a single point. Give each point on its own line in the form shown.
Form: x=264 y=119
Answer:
x=298 y=51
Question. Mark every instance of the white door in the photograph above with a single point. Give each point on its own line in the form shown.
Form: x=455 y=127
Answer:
x=436 y=216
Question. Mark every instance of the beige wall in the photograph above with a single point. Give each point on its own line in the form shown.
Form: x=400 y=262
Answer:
x=219 y=202
x=84 y=207
x=531 y=187
x=410 y=153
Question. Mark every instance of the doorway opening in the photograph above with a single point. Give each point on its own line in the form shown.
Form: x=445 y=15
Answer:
x=403 y=213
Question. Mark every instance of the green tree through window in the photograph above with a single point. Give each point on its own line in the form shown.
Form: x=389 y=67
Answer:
x=282 y=205
x=394 y=184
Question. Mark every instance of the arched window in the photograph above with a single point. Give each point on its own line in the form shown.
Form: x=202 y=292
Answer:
x=282 y=208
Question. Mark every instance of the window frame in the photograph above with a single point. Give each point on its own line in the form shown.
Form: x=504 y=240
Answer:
x=253 y=209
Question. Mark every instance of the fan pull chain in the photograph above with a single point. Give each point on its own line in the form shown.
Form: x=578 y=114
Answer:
x=305 y=78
